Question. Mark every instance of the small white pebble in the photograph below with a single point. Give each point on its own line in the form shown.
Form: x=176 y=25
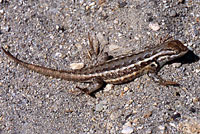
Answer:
x=81 y=2
x=136 y=38
x=172 y=124
x=1 y=11
x=58 y=54
x=161 y=128
x=6 y=28
x=135 y=111
x=102 y=39
x=176 y=65
x=51 y=36
x=141 y=127
x=154 y=26
x=197 y=70
x=76 y=65
x=195 y=100
x=108 y=87
x=92 y=4
x=87 y=7
x=127 y=129
x=126 y=89
x=57 y=27
x=115 y=21
x=99 y=107
x=180 y=1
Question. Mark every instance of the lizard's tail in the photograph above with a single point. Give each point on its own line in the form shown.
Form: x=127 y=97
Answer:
x=67 y=75
x=12 y=57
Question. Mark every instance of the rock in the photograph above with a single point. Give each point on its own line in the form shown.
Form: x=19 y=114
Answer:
x=99 y=107
x=154 y=26
x=102 y=39
x=108 y=87
x=127 y=129
x=76 y=65
x=176 y=65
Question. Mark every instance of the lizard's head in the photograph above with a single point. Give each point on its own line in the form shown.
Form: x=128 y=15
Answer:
x=171 y=50
x=177 y=47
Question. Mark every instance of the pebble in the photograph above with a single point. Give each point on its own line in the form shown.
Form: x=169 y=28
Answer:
x=135 y=111
x=176 y=65
x=127 y=129
x=136 y=38
x=172 y=124
x=181 y=1
x=195 y=100
x=173 y=13
x=162 y=129
x=6 y=28
x=126 y=89
x=99 y=107
x=108 y=87
x=81 y=2
x=154 y=26
x=58 y=55
x=114 y=115
x=102 y=39
x=135 y=121
x=92 y=4
x=57 y=27
x=51 y=36
x=116 y=21
x=197 y=70
x=76 y=65
x=1 y=11
x=140 y=127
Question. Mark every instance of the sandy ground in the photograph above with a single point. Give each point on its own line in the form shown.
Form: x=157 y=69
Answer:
x=55 y=34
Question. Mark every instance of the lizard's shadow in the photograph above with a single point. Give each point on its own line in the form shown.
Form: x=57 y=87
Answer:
x=188 y=58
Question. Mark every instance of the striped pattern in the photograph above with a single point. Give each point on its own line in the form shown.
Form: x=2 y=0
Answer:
x=119 y=70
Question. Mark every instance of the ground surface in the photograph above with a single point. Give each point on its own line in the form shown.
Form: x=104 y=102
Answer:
x=55 y=34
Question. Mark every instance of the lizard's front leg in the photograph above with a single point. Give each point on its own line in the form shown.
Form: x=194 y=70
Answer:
x=152 y=73
x=158 y=79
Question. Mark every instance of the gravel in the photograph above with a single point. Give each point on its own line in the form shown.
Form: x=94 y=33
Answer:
x=55 y=34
